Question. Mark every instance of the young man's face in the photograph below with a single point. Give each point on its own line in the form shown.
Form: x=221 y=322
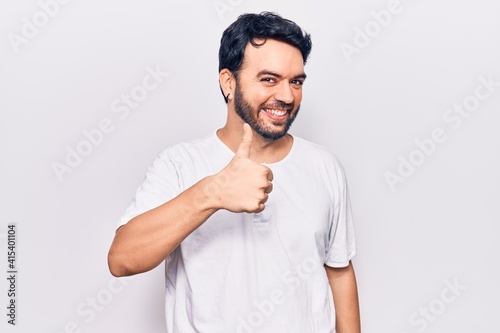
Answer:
x=269 y=88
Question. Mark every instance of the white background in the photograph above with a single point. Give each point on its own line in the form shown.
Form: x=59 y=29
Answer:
x=440 y=224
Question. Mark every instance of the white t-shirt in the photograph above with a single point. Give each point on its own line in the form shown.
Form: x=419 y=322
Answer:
x=249 y=273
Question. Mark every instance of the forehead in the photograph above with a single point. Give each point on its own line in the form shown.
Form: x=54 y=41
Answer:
x=274 y=56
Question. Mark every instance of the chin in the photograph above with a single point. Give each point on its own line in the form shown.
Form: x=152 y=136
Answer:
x=270 y=136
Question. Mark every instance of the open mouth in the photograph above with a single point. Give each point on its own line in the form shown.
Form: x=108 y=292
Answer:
x=276 y=113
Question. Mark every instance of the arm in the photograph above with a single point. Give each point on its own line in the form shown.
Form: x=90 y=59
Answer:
x=345 y=295
x=146 y=240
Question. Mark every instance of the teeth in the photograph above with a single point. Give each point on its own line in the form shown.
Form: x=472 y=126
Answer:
x=277 y=113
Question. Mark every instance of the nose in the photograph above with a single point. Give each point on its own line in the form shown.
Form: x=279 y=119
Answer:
x=284 y=93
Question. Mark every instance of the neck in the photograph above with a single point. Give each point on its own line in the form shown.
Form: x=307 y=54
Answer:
x=262 y=150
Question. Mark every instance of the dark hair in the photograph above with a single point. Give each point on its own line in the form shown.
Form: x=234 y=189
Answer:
x=265 y=25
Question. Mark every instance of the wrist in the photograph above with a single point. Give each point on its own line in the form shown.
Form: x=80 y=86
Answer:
x=209 y=193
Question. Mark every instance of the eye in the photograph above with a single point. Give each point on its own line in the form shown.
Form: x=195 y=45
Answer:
x=298 y=82
x=268 y=80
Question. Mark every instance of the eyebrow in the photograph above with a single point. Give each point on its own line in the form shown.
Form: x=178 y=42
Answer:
x=279 y=76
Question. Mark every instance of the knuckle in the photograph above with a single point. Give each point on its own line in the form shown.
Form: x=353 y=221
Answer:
x=254 y=208
x=261 y=208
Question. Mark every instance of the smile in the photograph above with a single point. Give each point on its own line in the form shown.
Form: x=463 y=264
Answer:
x=277 y=114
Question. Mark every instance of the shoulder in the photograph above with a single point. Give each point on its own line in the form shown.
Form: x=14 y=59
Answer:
x=189 y=149
x=315 y=153
x=320 y=161
x=202 y=155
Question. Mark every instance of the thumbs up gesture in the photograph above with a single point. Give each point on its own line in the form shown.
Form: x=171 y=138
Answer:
x=247 y=183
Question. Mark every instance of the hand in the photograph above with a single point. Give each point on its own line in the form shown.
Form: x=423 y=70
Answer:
x=244 y=184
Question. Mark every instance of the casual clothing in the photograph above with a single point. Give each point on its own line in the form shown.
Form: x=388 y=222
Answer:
x=262 y=272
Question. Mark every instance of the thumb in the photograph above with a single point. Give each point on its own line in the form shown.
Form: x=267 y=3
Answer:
x=246 y=142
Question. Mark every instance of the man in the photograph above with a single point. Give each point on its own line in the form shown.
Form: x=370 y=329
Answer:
x=254 y=225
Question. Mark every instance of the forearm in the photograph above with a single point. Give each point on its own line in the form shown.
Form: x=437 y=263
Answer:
x=345 y=294
x=146 y=240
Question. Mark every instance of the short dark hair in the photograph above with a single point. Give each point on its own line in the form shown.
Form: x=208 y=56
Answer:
x=249 y=27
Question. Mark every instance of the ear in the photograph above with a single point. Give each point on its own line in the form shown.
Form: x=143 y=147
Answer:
x=227 y=83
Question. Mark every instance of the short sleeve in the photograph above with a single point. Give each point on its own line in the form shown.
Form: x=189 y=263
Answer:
x=341 y=241
x=161 y=184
